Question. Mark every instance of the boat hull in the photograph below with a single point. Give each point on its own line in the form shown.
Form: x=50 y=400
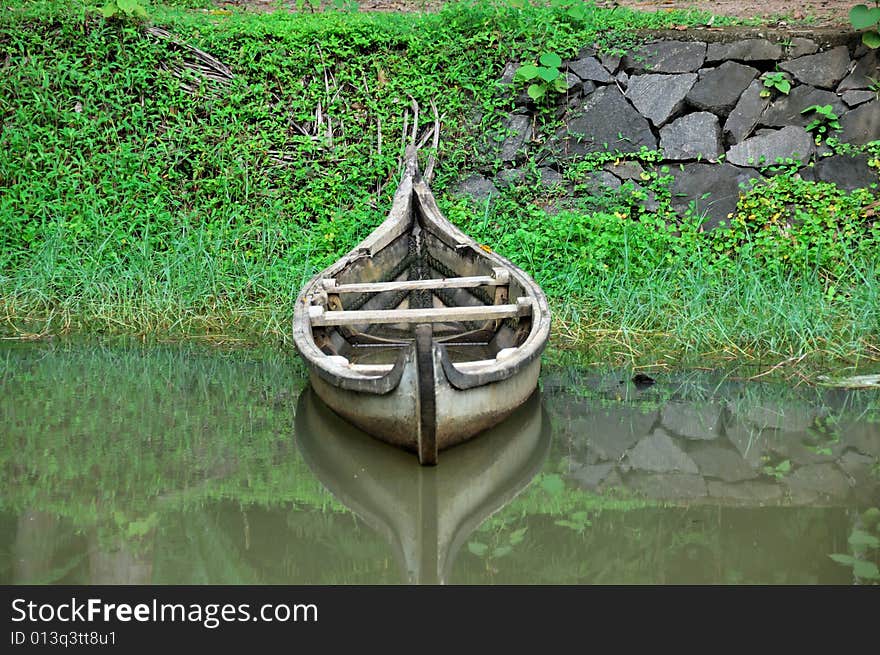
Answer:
x=398 y=417
x=467 y=328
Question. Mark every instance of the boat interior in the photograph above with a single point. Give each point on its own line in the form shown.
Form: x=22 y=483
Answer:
x=419 y=272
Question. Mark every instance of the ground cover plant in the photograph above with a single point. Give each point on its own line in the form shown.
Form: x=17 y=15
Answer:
x=182 y=175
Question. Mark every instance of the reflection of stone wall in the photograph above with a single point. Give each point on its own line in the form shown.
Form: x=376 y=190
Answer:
x=701 y=105
x=716 y=449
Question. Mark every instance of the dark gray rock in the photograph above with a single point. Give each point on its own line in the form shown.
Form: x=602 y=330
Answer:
x=825 y=479
x=750 y=443
x=604 y=116
x=507 y=75
x=589 y=69
x=745 y=50
x=846 y=172
x=509 y=177
x=861 y=435
x=746 y=493
x=866 y=68
x=862 y=124
x=788 y=416
x=627 y=170
x=622 y=80
x=610 y=62
x=787 y=110
x=766 y=148
x=666 y=57
x=745 y=115
x=693 y=136
x=476 y=187
x=857 y=466
x=855 y=97
x=823 y=70
x=591 y=476
x=659 y=453
x=711 y=190
x=596 y=183
x=550 y=177
x=588 y=51
x=609 y=432
x=573 y=84
x=517 y=132
x=793 y=447
x=799 y=46
x=718 y=89
x=693 y=420
x=667 y=486
x=644 y=198
x=716 y=461
x=659 y=97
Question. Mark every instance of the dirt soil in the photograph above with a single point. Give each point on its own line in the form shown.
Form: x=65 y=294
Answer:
x=779 y=13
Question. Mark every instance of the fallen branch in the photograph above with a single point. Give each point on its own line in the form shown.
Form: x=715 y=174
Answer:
x=854 y=382
x=790 y=360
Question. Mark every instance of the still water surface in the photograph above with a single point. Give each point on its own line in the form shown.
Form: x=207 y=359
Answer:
x=189 y=465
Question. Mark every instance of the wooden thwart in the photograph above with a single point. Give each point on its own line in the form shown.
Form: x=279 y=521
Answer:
x=500 y=278
x=319 y=317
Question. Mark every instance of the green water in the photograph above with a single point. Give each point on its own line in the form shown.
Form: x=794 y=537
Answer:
x=192 y=465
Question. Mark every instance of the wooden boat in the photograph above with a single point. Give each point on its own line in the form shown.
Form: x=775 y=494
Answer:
x=420 y=336
x=425 y=514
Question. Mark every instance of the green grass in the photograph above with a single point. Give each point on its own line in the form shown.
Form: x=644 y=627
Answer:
x=131 y=206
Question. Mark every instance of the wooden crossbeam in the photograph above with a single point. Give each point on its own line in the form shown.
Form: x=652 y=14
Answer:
x=500 y=278
x=319 y=317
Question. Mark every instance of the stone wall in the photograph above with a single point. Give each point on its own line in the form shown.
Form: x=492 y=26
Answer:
x=700 y=103
x=713 y=447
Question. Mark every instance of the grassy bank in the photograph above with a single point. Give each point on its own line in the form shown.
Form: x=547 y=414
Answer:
x=141 y=196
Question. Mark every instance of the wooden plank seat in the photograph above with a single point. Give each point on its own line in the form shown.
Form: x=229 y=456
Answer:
x=320 y=317
x=501 y=277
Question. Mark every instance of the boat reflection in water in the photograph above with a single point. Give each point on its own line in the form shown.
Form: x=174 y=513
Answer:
x=425 y=513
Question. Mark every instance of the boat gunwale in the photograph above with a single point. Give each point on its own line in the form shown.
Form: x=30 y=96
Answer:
x=399 y=218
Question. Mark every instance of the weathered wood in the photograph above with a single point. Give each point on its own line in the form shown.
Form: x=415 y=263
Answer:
x=501 y=278
x=427 y=437
x=320 y=318
x=416 y=241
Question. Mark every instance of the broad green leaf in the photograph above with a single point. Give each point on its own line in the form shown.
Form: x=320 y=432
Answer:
x=871 y=39
x=552 y=484
x=551 y=60
x=784 y=466
x=548 y=74
x=501 y=551
x=871 y=516
x=518 y=535
x=784 y=86
x=866 y=570
x=848 y=560
x=560 y=84
x=109 y=10
x=859 y=538
x=536 y=91
x=862 y=17
x=567 y=524
x=477 y=548
x=128 y=6
x=525 y=73
x=580 y=517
